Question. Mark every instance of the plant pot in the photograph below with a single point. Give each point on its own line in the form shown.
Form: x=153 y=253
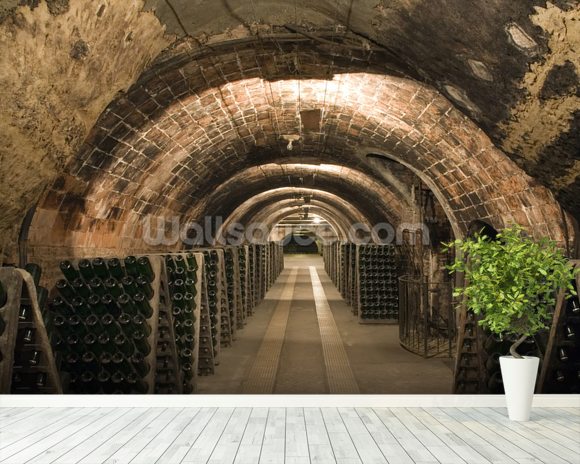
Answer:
x=519 y=381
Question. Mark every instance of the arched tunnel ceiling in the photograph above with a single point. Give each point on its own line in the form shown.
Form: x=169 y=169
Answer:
x=511 y=66
x=347 y=78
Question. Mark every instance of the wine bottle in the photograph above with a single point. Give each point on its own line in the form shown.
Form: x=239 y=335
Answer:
x=131 y=266
x=100 y=268
x=65 y=290
x=144 y=286
x=135 y=384
x=573 y=306
x=559 y=376
x=109 y=325
x=110 y=304
x=81 y=307
x=141 y=343
x=115 y=269
x=97 y=286
x=86 y=270
x=42 y=298
x=97 y=307
x=123 y=345
x=126 y=304
x=129 y=285
x=495 y=383
x=145 y=269
x=81 y=288
x=569 y=332
x=76 y=326
x=89 y=360
x=143 y=305
x=35 y=271
x=88 y=382
x=563 y=354
x=112 y=287
x=25 y=314
x=139 y=363
x=141 y=325
x=69 y=271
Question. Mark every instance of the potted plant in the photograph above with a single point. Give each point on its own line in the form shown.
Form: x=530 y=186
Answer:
x=511 y=282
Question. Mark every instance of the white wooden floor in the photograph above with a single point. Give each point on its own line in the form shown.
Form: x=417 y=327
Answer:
x=287 y=435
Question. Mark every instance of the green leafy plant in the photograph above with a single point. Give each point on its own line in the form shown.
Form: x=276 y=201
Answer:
x=511 y=281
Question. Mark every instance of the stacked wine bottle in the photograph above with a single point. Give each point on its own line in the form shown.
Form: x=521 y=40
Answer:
x=100 y=324
x=214 y=299
x=233 y=288
x=468 y=372
x=378 y=284
x=183 y=287
x=243 y=308
x=563 y=370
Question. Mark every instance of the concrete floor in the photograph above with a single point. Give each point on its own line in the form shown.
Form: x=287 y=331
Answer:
x=377 y=360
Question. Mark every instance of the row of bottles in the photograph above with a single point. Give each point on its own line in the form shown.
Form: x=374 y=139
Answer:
x=99 y=324
x=378 y=283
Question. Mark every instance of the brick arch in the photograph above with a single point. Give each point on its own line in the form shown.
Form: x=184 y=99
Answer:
x=372 y=198
x=273 y=213
x=191 y=122
x=246 y=212
x=338 y=225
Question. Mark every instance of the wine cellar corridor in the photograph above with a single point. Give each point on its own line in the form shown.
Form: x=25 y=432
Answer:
x=374 y=361
x=245 y=212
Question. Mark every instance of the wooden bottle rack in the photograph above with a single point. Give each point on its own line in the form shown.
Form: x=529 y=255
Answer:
x=21 y=290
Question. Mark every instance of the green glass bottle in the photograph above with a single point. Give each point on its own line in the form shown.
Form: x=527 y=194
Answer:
x=69 y=271
x=65 y=290
x=110 y=327
x=89 y=361
x=127 y=304
x=86 y=270
x=144 y=286
x=100 y=268
x=129 y=285
x=145 y=268
x=135 y=384
x=112 y=307
x=115 y=268
x=81 y=307
x=75 y=325
x=97 y=286
x=187 y=369
x=91 y=343
x=42 y=298
x=141 y=325
x=139 y=363
x=81 y=288
x=35 y=271
x=112 y=287
x=126 y=323
x=141 y=343
x=105 y=358
x=143 y=305
x=124 y=345
x=131 y=267
x=97 y=307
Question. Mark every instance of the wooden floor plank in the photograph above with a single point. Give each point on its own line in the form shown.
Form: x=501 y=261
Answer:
x=364 y=443
x=139 y=441
x=493 y=437
x=161 y=442
x=460 y=447
x=416 y=450
x=86 y=447
x=119 y=440
x=296 y=437
x=319 y=445
x=557 y=419
x=227 y=446
x=51 y=436
x=78 y=436
x=565 y=448
x=273 y=447
x=427 y=438
x=204 y=445
x=22 y=422
x=251 y=444
x=388 y=444
x=340 y=439
x=187 y=437
x=27 y=432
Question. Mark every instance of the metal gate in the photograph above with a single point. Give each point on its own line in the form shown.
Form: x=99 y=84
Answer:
x=426 y=317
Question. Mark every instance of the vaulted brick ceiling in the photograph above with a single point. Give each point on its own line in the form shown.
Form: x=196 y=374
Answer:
x=250 y=89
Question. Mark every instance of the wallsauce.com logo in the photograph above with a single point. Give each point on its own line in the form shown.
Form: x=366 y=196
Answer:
x=159 y=231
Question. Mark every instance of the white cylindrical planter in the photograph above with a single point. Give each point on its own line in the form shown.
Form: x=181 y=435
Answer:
x=519 y=381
